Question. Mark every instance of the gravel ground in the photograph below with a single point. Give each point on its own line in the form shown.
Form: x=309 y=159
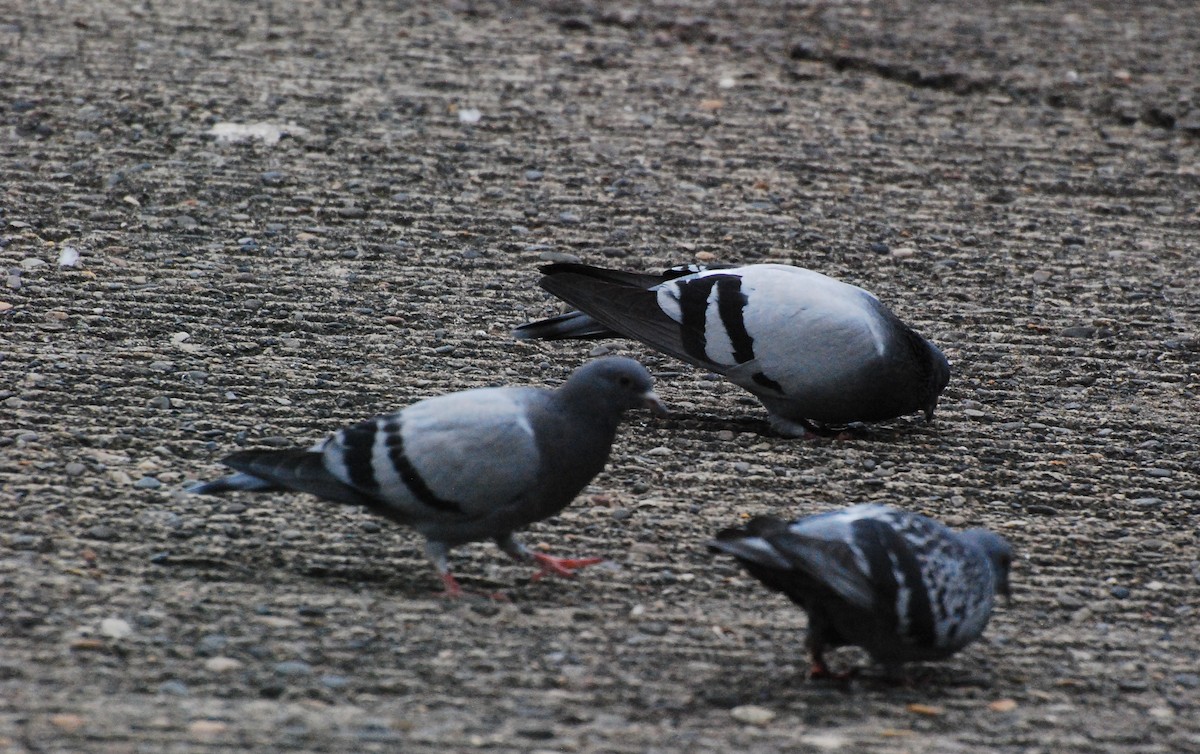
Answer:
x=289 y=216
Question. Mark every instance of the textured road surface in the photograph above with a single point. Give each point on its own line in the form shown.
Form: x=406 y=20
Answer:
x=1021 y=181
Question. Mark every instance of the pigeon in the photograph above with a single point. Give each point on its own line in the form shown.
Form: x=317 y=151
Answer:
x=817 y=352
x=465 y=466
x=902 y=586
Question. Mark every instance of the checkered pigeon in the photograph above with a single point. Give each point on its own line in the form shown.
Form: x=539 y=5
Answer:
x=901 y=585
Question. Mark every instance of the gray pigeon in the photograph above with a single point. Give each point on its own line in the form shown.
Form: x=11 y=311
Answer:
x=817 y=352
x=467 y=466
x=898 y=584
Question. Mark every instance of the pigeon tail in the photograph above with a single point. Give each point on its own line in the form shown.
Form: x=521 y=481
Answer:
x=572 y=325
x=233 y=483
x=296 y=470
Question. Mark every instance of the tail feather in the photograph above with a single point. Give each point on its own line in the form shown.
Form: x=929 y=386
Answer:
x=749 y=543
x=234 y=483
x=572 y=325
x=297 y=470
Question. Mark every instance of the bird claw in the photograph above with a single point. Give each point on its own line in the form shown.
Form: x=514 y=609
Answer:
x=564 y=567
x=453 y=591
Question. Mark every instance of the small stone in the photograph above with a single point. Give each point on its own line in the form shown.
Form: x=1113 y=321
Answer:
x=67 y=722
x=221 y=664
x=293 y=668
x=1042 y=276
x=559 y=256
x=534 y=175
x=32 y=263
x=621 y=514
x=752 y=714
x=1159 y=473
x=173 y=688
x=100 y=531
x=75 y=469
x=207 y=728
x=446 y=349
x=115 y=628
x=1188 y=680
x=147 y=483
x=1133 y=684
x=879 y=247
x=161 y=402
x=272 y=177
x=332 y=681
x=569 y=218
x=1120 y=592
x=599 y=351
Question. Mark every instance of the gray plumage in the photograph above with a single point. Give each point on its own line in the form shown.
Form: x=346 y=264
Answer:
x=817 y=352
x=902 y=586
x=467 y=466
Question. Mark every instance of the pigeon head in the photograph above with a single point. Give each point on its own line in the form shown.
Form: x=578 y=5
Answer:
x=999 y=554
x=617 y=382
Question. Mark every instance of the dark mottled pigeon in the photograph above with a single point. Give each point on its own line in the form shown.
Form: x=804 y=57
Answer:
x=898 y=584
x=467 y=466
x=817 y=352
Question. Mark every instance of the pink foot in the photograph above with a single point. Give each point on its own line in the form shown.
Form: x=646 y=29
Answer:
x=564 y=567
x=821 y=671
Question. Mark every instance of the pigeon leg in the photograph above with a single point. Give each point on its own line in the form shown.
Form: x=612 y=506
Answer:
x=820 y=669
x=437 y=553
x=564 y=567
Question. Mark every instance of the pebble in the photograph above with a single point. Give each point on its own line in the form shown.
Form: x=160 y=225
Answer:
x=273 y=177
x=534 y=175
x=100 y=531
x=1188 y=680
x=1042 y=276
x=32 y=263
x=752 y=714
x=1160 y=473
x=332 y=681
x=147 y=483
x=446 y=349
x=1120 y=592
x=293 y=667
x=161 y=402
x=879 y=247
x=559 y=256
x=173 y=688
x=221 y=664
x=75 y=468
x=115 y=628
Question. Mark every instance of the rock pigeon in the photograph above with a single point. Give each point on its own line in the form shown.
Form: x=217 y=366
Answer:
x=898 y=584
x=817 y=352
x=466 y=466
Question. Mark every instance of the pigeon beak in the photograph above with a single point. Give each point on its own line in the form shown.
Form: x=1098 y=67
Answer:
x=650 y=400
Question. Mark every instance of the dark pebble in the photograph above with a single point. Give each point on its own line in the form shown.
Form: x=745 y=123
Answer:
x=147 y=483
x=1188 y=680
x=100 y=531
x=1132 y=684
x=1120 y=592
x=879 y=247
x=311 y=611
x=534 y=175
